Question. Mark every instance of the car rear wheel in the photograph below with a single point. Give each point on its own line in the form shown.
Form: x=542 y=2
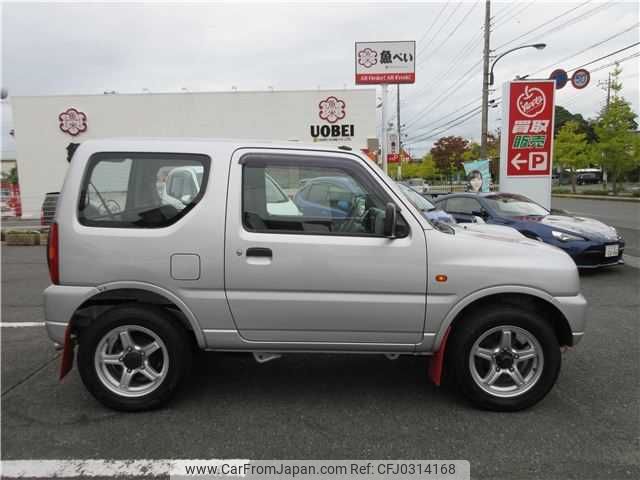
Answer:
x=504 y=358
x=132 y=357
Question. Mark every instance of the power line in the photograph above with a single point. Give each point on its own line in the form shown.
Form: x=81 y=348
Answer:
x=597 y=44
x=462 y=80
x=616 y=62
x=426 y=125
x=442 y=25
x=605 y=56
x=471 y=113
x=455 y=29
x=464 y=51
x=542 y=25
x=434 y=22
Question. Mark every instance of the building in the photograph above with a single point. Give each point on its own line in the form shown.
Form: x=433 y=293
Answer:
x=45 y=125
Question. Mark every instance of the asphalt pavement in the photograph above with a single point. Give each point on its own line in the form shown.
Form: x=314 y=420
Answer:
x=333 y=407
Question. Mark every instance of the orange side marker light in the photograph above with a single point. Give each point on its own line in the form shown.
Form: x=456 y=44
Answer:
x=441 y=278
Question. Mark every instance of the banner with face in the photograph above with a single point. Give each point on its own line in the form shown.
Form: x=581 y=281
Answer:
x=478 y=175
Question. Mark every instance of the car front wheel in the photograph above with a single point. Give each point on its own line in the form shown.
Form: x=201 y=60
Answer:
x=504 y=358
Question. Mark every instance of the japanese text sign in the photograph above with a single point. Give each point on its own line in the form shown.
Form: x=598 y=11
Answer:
x=385 y=62
x=530 y=128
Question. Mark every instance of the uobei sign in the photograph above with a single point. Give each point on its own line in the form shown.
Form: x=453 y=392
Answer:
x=385 y=62
x=530 y=128
x=331 y=111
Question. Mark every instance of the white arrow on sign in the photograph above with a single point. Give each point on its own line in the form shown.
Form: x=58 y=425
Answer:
x=517 y=161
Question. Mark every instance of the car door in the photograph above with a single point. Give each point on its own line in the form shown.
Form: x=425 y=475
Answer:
x=463 y=209
x=320 y=280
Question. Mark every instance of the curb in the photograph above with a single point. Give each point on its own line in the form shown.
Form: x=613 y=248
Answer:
x=598 y=197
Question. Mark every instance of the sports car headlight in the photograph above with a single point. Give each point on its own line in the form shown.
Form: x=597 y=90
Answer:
x=565 y=237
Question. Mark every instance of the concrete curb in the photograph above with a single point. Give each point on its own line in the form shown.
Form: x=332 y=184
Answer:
x=598 y=197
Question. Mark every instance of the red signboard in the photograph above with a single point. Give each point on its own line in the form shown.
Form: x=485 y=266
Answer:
x=376 y=78
x=393 y=158
x=530 y=124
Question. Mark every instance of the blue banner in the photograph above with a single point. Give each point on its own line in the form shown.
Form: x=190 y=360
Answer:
x=478 y=175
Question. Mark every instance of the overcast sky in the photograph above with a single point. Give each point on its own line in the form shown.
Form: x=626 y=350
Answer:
x=83 y=48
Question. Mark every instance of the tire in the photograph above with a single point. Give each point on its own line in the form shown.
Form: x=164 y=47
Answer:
x=520 y=379
x=160 y=357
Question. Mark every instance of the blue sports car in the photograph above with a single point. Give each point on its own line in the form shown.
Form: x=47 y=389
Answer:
x=589 y=242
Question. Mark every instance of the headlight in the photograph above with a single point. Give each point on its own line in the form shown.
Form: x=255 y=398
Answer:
x=565 y=237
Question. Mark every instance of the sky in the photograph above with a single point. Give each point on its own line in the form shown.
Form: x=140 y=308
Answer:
x=87 y=48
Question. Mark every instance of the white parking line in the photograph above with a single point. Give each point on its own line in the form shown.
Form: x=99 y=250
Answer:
x=103 y=468
x=21 y=324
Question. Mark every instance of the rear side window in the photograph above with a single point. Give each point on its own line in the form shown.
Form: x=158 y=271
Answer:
x=141 y=190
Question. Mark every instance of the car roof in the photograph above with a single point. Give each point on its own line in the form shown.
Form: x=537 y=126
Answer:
x=115 y=142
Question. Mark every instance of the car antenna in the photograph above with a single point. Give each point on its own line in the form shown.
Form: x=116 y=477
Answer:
x=345 y=147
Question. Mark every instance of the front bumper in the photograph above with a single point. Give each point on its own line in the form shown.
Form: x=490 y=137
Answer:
x=60 y=303
x=574 y=309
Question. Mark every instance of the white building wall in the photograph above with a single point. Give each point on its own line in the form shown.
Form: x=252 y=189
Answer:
x=281 y=115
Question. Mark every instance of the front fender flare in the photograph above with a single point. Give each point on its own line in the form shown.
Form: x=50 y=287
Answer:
x=486 y=292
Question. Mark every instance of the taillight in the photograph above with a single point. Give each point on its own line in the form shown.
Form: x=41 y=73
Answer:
x=53 y=254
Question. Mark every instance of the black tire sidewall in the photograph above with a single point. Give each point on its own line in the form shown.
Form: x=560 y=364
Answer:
x=150 y=317
x=473 y=326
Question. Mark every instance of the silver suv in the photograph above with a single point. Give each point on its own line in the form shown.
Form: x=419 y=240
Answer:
x=231 y=257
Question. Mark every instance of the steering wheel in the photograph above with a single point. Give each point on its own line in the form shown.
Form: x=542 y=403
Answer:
x=355 y=224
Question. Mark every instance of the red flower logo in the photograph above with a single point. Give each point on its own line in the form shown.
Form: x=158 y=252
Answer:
x=332 y=109
x=367 y=57
x=73 y=121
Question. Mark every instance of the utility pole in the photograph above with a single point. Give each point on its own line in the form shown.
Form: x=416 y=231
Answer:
x=398 y=116
x=605 y=86
x=485 y=80
x=383 y=140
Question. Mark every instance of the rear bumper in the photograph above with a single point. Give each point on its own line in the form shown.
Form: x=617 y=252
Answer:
x=60 y=303
x=574 y=309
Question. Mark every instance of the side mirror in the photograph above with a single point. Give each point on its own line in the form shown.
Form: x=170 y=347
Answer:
x=390 y=220
x=477 y=219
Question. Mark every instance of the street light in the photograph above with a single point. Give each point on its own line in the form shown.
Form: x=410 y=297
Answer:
x=537 y=46
x=485 y=90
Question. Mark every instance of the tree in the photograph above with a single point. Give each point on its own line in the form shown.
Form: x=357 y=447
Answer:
x=448 y=154
x=562 y=116
x=571 y=150
x=617 y=145
x=424 y=169
x=11 y=177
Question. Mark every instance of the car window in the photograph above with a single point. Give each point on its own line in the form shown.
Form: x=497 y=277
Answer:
x=516 y=206
x=139 y=190
x=318 y=193
x=464 y=205
x=416 y=199
x=332 y=197
x=274 y=192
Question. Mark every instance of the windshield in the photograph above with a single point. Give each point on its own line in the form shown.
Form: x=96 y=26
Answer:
x=515 y=206
x=416 y=199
